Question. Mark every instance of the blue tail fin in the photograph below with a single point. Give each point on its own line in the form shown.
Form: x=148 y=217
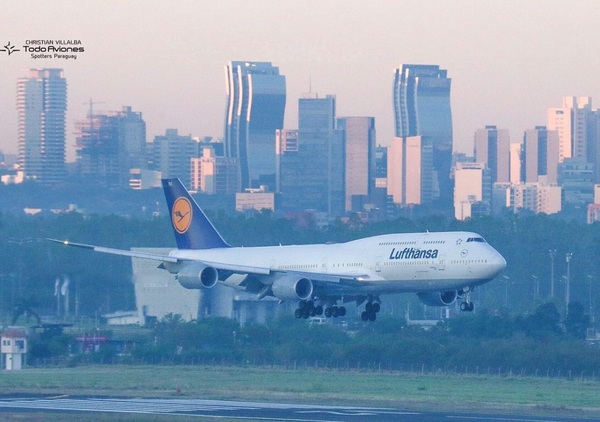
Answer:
x=193 y=230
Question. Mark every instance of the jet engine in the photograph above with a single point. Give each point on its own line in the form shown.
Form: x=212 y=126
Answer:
x=438 y=298
x=198 y=276
x=292 y=288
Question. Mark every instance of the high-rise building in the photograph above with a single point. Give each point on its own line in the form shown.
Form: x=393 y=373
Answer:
x=213 y=174
x=516 y=152
x=576 y=178
x=288 y=164
x=132 y=142
x=172 y=155
x=573 y=122
x=255 y=110
x=536 y=197
x=540 y=156
x=97 y=150
x=472 y=185
x=410 y=170
x=42 y=106
x=311 y=172
x=422 y=108
x=492 y=148
x=109 y=145
x=359 y=135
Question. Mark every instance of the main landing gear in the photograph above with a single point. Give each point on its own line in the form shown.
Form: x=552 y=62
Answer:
x=307 y=308
x=370 y=312
x=467 y=305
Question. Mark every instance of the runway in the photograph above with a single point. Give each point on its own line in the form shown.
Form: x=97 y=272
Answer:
x=242 y=410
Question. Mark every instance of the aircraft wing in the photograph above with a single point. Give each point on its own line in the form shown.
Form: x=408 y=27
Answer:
x=123 y=252
x=240 y=269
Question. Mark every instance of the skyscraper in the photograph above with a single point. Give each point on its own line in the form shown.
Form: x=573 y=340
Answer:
x=410 y=170
x=172 y=155
x=573 y=121
x=109 y=145
x=42 y=105
x=359 y=135
x=492 y=148
x=255 y=110
x=311 y=172
x=132 y=142
x=422 y=108
x=540 y=155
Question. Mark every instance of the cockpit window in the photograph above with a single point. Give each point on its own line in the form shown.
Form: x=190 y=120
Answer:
x=476 y=239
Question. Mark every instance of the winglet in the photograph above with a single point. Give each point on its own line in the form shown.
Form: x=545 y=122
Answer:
x=193 y=229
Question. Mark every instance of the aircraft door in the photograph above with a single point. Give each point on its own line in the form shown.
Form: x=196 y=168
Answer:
x=442 y=263
x=378 y=264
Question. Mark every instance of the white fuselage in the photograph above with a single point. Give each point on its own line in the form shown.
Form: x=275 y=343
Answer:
x=411 y=262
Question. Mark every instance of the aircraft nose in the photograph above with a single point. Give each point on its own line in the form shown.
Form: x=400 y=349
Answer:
x=498 y=262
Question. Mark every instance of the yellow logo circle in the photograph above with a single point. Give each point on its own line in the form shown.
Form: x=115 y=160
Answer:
x=181 y=214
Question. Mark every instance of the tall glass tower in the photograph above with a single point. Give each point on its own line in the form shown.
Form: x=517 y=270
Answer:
x=255 y=110
x=42 y=106
x=422 y=108
x=310 y=161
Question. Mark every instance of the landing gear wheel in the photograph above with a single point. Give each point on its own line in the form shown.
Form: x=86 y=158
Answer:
x=298 y=313
x=319 y=310
x=342 y=311
x=467 y=306
x=327 y=312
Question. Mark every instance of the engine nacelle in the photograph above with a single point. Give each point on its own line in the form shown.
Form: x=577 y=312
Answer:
x=438 y=298
x=292 y=288
x=198 y=276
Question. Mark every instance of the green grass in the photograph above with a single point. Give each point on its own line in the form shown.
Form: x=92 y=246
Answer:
x=390 y=389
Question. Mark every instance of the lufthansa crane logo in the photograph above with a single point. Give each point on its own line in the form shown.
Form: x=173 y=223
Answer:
x=181 y=215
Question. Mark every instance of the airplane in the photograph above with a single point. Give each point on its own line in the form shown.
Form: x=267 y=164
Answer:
x=440 y=267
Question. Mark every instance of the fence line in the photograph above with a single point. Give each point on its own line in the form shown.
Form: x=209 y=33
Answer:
x=317 y=365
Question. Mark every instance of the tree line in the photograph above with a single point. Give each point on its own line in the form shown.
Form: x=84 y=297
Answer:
x=538 y=343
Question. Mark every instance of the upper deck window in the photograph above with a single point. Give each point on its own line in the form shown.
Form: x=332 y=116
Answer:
x=476 y=239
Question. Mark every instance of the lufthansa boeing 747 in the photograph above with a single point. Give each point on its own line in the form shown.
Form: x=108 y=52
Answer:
x=439 y=267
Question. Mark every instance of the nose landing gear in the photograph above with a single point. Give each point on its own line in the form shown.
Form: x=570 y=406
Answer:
x=467 y=305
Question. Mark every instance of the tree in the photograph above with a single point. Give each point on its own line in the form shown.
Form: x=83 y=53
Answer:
x=543 y=323
x=25 y=307
x=576 y=321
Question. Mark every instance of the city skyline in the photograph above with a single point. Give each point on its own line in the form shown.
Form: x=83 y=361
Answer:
x=508 y=62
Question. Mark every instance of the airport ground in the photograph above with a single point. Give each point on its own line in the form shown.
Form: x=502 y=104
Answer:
x=533 y=396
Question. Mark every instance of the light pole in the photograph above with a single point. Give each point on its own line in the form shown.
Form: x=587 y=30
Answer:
x=568 y=290
x=506 y=278
x=552 y=254
x=536 y=288
x=590 y=278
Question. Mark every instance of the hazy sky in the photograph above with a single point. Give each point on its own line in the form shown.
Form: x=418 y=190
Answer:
x=509 y=60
